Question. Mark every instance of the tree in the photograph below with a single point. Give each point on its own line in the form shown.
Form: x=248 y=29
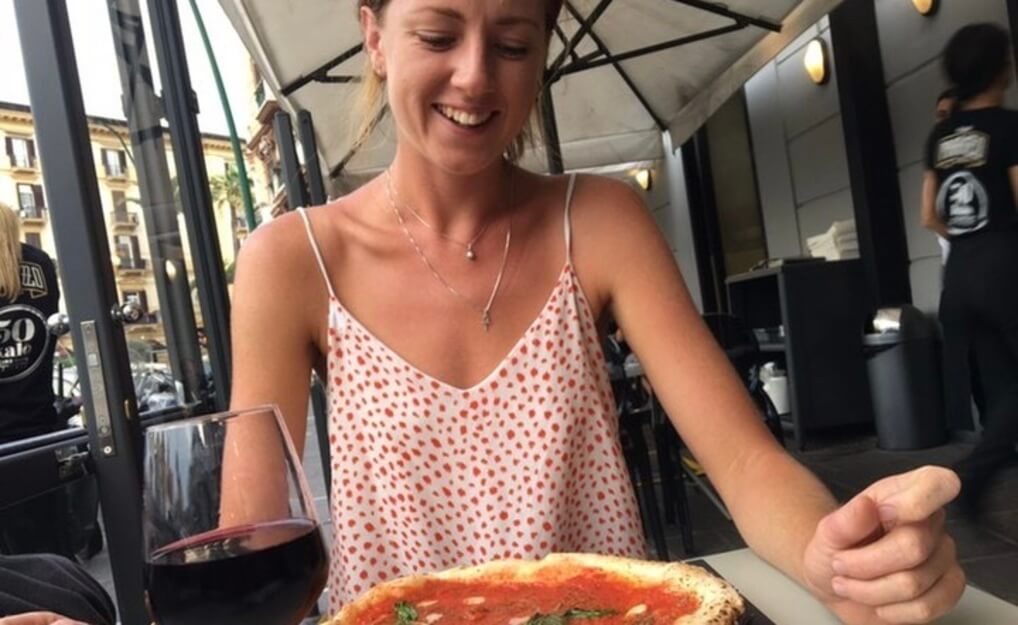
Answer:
x=226 y=190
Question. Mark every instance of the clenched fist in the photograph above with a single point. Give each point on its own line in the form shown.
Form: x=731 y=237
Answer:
x=884 y=557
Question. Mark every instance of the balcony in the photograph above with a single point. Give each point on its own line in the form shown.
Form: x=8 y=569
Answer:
x=124 y=220
x=33 y=215
x=20 y=164
x=115 y=173
x=127 y=265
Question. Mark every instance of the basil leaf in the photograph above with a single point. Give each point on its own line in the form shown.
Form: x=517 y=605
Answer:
x=564 y=618
x=406 y=614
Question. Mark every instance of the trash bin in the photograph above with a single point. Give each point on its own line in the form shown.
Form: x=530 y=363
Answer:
x=903 y=362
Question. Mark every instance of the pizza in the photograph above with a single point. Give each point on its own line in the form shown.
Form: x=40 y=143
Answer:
x=561 y=589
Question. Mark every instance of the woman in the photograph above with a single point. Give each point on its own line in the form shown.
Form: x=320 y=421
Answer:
x=451 y=305
x=29 y=294
x=970 y=194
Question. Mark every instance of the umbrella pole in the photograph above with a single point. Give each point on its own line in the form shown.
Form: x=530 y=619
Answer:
x=552 y=144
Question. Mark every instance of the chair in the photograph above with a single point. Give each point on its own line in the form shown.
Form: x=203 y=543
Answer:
x=634 y=406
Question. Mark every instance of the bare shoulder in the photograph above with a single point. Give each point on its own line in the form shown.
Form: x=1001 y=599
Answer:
x=613 y=231
x=277 y=257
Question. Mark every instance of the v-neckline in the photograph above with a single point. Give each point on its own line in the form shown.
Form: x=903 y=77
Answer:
x=447 y=386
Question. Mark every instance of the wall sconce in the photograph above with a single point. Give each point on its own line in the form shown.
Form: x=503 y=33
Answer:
x=171 y=270
x=644 y=178
x=816 y=61
x=926 y=7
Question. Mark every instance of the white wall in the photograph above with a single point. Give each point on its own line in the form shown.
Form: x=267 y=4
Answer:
x=798 y=141
x=799 y=149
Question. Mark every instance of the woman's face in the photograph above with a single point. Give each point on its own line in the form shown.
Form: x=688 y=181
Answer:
x=461 y=75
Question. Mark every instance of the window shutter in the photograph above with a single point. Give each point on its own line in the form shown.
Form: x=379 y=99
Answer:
x=40 y=199
x=31 y=153
x=9 y=143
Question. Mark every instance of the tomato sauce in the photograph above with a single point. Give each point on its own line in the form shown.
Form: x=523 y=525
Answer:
x=515 y=603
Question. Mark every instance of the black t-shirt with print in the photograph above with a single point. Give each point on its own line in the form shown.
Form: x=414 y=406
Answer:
x=971 y=152
x=26 y=351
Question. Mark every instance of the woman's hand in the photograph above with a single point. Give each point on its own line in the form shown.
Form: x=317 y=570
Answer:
x=884 y=556
x=38 y=618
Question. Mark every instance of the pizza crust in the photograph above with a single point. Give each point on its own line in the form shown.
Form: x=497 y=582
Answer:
x=720 y=604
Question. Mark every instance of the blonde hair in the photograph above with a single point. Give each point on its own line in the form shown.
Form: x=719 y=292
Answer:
x=370 y=106
x=10 y=253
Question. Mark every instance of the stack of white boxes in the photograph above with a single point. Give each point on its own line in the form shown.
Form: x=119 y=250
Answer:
x=839 y=242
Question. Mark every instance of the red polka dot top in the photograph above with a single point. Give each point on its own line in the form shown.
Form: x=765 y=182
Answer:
x=428 y=476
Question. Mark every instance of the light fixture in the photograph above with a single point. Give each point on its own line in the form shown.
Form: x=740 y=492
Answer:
x=926 y=7
x=171 y=270
x=644 y=179
x=816 y=61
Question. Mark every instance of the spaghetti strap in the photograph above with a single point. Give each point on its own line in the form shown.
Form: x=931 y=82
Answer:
x=316 y=250
x=568 y=225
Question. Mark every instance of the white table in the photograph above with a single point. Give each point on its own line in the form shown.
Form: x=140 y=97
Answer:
x=787 y=603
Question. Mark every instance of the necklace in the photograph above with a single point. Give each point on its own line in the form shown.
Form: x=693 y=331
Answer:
x=485 y=312
x=470 y=254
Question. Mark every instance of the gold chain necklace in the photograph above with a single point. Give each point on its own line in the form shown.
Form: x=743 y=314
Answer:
x=485 y=312
x=470 y=254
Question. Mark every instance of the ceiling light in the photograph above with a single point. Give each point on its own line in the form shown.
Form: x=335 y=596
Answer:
x=644 y=179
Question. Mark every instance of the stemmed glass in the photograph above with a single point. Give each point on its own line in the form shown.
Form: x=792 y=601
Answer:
x=229 y=527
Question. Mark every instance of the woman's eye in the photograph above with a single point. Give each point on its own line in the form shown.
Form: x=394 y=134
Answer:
x=436 y=42
x=513 y=51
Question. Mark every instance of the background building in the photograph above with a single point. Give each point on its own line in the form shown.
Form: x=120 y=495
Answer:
x=21 y=187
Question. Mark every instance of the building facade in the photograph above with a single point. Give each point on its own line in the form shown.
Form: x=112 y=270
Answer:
x=21 y=187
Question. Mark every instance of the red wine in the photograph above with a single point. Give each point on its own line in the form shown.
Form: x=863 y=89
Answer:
x=265 y=574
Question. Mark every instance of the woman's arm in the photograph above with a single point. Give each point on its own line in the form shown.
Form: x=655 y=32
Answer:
x=273 y=353
x=928 y=209
x=784 y=513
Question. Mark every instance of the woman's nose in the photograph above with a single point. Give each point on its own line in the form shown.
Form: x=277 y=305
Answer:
x=472 y=73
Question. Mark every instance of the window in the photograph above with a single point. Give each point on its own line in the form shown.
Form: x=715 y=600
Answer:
x=119 y=202
x=115 y=163
x=21 y=152
x=31 y=200
x=34 y=239
x=128 y=252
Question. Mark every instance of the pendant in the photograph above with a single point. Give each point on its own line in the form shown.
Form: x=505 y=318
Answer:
x=470 y=253
x=486 y=320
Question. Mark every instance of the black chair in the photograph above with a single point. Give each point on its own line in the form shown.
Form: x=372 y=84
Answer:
x=634 y=406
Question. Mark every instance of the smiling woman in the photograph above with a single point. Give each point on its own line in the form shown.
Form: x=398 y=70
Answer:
x=471 y=415
x=371 y=105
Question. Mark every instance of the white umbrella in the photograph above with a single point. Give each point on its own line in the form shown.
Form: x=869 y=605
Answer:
x=632 y=70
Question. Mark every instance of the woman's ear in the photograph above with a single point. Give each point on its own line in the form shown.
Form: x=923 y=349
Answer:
x=372 y=31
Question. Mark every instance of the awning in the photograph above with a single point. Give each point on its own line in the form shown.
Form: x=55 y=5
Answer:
x=634 y=69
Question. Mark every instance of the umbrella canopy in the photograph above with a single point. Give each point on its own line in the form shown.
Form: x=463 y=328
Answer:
x=621 y=72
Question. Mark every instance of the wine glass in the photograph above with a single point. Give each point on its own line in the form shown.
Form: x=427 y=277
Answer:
x=229 y=527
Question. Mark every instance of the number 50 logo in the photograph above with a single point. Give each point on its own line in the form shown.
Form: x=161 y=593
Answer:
x=24 y=342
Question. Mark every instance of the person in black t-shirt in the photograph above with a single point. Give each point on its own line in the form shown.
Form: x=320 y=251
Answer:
x=28 y=296
x=970 y=193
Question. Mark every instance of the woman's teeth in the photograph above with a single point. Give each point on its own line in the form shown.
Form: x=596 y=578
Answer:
x=463 y=118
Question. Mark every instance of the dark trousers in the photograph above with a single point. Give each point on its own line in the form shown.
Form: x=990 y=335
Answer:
x=980 y=301
x=38 y=525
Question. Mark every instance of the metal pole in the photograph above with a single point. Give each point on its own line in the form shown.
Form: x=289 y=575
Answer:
x=142 y=110
x=114 y=432
x=296 y=194
x=181 y=108
x=552 y=145
x=238 y=154
x=309 y=145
